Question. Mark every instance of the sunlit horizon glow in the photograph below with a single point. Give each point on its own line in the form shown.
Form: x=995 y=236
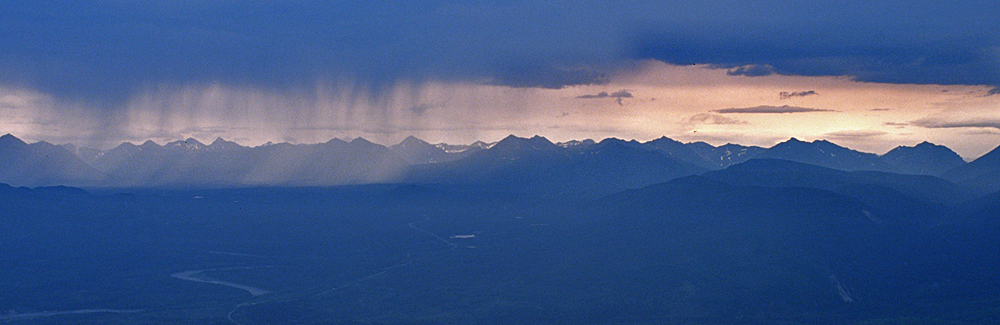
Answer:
x=680 y=102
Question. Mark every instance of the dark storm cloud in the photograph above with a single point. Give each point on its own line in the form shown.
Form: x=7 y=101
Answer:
x=787 y=95
x=526 y=74
x=106 y=51
x=765 y=109
x=921 y=42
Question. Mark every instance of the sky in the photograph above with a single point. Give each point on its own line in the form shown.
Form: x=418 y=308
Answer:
x=869 y=75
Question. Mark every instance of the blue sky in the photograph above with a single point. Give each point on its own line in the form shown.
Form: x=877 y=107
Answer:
x=97 y=60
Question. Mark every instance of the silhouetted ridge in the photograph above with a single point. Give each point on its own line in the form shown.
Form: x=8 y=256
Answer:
x=46 y=192
x=536 y=165
x=513 y=143
x=189 y=144
x=220 y=144
x=620 y=142
x=334 y=141
x=482 y=145
x=412 y=141
x=824 y=153
x=677 y=150
x=577 y=144
x=8 y=140
x=359 y=141
x=42 y=164
x=923 y=159
x=610 y=164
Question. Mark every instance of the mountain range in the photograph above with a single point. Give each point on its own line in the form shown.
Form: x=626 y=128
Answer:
x=586 y=166
x=523 y=230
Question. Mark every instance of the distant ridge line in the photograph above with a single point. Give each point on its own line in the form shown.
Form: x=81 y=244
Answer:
x=359 y=161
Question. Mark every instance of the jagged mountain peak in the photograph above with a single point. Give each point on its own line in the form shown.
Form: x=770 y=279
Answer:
x=617 y=141
x=923 y=145
x=511 y=138
x=577 y=143
x=825 y=153
x=796 y=143
x=733 y=145
x=335 y=141
x=412 y=141
x=664 y=139
x=222 y=144
x=416 y=151
x=482 y=145
x=41 y=164
x=189 y=143
x=512 y=142
x=793 y=141
x=924 y=158
x=362 y=141
x=9 y=140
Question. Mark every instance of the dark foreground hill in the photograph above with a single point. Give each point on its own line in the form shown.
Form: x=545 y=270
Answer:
x=770 y=254
x=689 y=251
x=784 y=173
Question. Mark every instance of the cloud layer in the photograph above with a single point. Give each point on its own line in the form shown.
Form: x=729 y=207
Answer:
x=765 y=109
x=618 y=94
x=848 y=134
x=787 y=95
x=941 y=123
x=707 y=118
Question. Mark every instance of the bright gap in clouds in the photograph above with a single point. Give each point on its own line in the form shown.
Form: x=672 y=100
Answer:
x=687 y=103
